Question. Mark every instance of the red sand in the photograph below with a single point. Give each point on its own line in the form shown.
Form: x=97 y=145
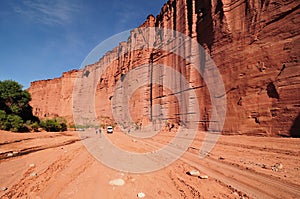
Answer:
x=63 y=168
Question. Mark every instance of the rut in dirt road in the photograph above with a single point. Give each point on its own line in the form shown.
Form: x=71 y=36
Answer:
x=26 y=151
x=252 y=183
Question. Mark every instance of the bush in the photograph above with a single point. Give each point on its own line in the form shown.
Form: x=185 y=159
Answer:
x=15 y=123
x=32 y=126
x=35 y=126
x=11 y=122
x=54 y=125
x=63 y=127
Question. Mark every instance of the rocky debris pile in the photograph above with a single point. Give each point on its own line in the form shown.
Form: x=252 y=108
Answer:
x=237 y=194
x=276 y=167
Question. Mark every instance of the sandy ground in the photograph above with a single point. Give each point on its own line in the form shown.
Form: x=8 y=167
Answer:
x=58 y=165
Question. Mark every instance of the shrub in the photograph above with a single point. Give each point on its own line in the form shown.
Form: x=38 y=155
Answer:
x=15 y=123
x=32 y=126
x=54 y=125
x=35 y=126
x=63 y=127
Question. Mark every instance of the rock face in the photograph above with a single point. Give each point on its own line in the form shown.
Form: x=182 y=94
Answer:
x=255 y=45
x=53 y=98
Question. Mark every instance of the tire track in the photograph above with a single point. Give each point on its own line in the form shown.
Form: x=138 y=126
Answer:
x=19 y=188
x=43 y=181
x=72 y=169
x=243 y=146
x=242 y=180
x=35 y=138
x=25 y=151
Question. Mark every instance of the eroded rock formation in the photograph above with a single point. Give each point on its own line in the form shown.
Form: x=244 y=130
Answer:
x=53 y=97
x=255 y=45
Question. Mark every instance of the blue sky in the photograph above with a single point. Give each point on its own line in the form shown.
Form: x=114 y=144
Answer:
x=42 y=39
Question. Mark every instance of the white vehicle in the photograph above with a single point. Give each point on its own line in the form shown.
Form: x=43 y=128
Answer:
x=109 y=129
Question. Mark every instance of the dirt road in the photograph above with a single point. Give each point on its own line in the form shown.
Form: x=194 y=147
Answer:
x=58 y=165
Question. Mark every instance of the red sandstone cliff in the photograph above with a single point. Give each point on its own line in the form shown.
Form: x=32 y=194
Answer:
x=255 y=45
x=53 y=98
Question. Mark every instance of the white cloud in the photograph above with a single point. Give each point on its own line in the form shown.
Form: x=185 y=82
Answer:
x=47 y=12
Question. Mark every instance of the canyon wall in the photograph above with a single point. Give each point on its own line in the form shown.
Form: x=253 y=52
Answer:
x=53 y=97
x=255 y=45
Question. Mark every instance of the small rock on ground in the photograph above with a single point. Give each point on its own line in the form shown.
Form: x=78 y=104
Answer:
x=3 y=188
x=235 y=193
x=193 y=173
x=274 y=169
x=33 y=174
x=278 y=165
x=10 y=155
x=117 y=182
x=264 y=166
x=141 y=195
x=203 y=177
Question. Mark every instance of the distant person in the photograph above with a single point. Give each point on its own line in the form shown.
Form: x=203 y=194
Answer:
x=98 y=131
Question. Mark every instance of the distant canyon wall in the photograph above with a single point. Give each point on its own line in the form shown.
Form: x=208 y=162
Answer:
x=255 y=45
x=53 y=97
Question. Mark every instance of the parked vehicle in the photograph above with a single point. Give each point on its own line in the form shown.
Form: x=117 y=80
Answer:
x=110 y=129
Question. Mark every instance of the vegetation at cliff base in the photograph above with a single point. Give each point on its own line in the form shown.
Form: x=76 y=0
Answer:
x=16 y=112
x=54 y=125
x=14 y=107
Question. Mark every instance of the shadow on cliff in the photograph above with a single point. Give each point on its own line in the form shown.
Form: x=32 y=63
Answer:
x=205 y=24
x=205 y=29
x=295 y=129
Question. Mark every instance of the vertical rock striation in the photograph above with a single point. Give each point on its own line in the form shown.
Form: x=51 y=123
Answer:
x=255 y=45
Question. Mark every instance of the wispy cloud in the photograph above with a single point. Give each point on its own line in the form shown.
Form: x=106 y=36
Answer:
x=126 y=13
x=47 y=12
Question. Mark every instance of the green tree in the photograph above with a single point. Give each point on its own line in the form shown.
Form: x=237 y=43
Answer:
x=13 y=99
x=14 y=106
